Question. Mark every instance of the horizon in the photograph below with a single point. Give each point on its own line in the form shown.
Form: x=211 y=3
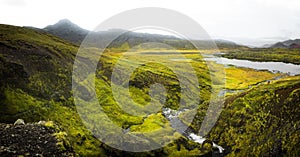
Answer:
x=251 y=23
x=257 y=44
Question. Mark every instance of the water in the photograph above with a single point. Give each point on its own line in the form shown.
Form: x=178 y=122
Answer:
x=288 y=68
x=176 y=123
x=172 y=116
x=275 y=67
x=200 y=139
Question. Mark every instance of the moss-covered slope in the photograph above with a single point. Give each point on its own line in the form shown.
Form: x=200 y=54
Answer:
x=35 y=76
x=263 y=121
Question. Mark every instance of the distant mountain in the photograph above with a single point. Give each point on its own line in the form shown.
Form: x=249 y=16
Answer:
x=227 y=43
x=290 y=42
x=67 y=30
x=279 y=45
x=294 y=45
x=265 y=46
x=71 y=32
x=287 y=44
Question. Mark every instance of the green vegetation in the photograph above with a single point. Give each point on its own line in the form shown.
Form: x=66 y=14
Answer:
x=242 y=78
x=36 y=71
x=265 y=54
x=62 y=141
x=263 y=121
x=35 y=74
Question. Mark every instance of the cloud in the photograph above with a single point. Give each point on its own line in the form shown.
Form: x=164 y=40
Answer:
x=15 y=3
x=230 y=19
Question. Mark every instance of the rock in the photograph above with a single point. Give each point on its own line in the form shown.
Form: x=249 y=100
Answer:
x=41 y=122
x=30 y=139
x=19 y=122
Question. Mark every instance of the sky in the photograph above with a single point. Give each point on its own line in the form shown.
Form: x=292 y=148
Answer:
x=248 y=22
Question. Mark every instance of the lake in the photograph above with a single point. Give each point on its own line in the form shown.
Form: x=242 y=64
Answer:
x=288 y=68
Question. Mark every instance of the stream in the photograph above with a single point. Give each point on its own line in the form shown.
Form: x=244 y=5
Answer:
x=274 y=67
x=179 y=126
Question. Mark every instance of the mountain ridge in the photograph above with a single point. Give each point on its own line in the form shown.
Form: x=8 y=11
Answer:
x=287 y=44
x=73 y=33
x=67 y=30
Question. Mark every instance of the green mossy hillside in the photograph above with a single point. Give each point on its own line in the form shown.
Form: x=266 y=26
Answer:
x=36 y=81
x=263 y=121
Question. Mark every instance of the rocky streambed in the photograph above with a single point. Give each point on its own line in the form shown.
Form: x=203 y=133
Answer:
x=179 y=126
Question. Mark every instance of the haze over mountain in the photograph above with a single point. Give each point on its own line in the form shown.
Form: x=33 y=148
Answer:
x=287 y=44
x=71 y=32
x=67 y=30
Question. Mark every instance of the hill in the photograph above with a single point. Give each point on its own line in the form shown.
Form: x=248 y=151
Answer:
x=35 y=76
x=263 y=121
x=36 y=80
x=69 y=31
x=287 y=44
x=32 y=60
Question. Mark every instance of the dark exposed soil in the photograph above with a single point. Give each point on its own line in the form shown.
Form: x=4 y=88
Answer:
x=29 y=140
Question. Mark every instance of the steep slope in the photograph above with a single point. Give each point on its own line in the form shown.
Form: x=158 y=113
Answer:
x=263 y=121
x=34 y=61
x=35 y=77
